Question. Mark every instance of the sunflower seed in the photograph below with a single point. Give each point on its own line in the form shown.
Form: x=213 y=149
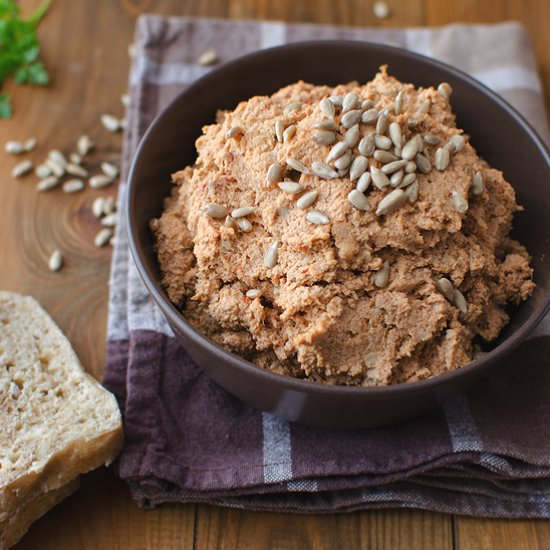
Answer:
x=337 y=151
x=395 y=134
x=21 y=169
x=100 y=181
x=350 y=102
x=398 y=103
x=366 y=145
x=445 y=287
x=459 y=202
x=412 y=191
x=445 y=89
x=407 y=180
x=423 y=164
x=344 y=161
x=76 y=170
x=358 y=200
x=425 y=106
x=381 y=9
x=30 y=144
x=209 y=57
x=253 y=293
x=396 y=178
x=274 y=173
x=289 y=133
x=367 y=104
x=324 y=137
x=291 y=187
x=412 y=123
x=109 y=205
x=57 y=169
x=84 y=145
x=75 y=159
x=351 y=137
x=410 y=149
x=307 y=199
x=393 y=166
x=292 y=106
x=98 y=206
x=73 y=186
x=244 y=225
x=349 y=119
x=442 y=158
x=459 y=301
x=410 y=167
x=55 y=261
x=325 y=125
x=384 y=156
x=432 y=139
x=279 y=129
x=391 y=202
x=14 y=147
x=358 y=167
x=478 y=184
x=243 y=211
x=111 y=123
x=110 y=220
x=382 y=277
x=42 y=171
x=234 y=132
x=323 y=170
x=382 y=123
x=215 y=211
x=327 y=108
x=47 y=183
x=57 y=156
x=316 y=217
x=336 y=100
x=296 y=165
x=382 y=142
x=370 y=116
x=457 y=143
x=271 y=256
x=103 y=237
x=109 y=169
x=230 y=222
x=379 y=179
x=343 y=172
x=125 y=100
x=363 y=182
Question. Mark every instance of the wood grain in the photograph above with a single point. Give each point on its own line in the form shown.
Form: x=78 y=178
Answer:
x=85 y=49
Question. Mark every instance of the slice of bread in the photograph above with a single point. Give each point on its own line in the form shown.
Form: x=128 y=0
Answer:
x=57 y=421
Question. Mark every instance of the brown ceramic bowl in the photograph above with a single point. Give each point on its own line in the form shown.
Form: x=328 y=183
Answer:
x=497 y=131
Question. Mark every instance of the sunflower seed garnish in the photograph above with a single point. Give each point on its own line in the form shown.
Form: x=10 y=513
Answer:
x=244 y=225
x=279 y=129
x=75 y=159
x=351 y=137
x=209 y=57
x=291 y=187
x=42 y=171
x=289 y=133
x=253 y=293
x=234 y=132
x=344 y=161
x=410 y=149
x=398 y=103
x=358 y=200
x=407 y=180
x=109 y=169
x=100 y=181
x=432 y=139
x=425 y=106
x=296 y=165
x=324 y=137
x=57 y=169
x=47 y=184
x=325 y=125
x=478 y=184
x=445 y=89
x=230 y=222
x=445 y=287
x=391 y=202
x=73 y=186
x=442 y=158
x=393 y=166
x=457 y=143
x=412 y=191
x=350 y=102
x=21 y=169
x=423 y=164
x=382 y=277
x=396 y=178
x=103 y=237
x=379 y=179
x=110 y=220
x=336 y=100
x=395 y=134
x=274 y=173
x=98 y=206
x=30 y=144
x=84 y=145
x=243 y=211
x=271 y=256
x=363 y=182
x=111 y=123
x=459 y=202
x=382 y=123
x=327 y=108
x=366 y=145
x=58 y=157
x=292 y=106
x=370 y=116
x=459 y=301
x=349 y=119
x=412 y=123
x=55 y=262
x=317 y=218
x=367 y=104
x=410 y=167
x=382 y=142
x=337 y=151
x=384 y=156
x=323 y=170
x=358 y=167
x=307 y=199
x=14 y=147
x=76 y=170
x=215 y=211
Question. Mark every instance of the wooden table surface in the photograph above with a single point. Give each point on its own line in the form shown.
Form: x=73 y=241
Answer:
x=84 y=44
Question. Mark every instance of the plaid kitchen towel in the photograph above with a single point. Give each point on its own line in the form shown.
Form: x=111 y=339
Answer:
x=487 y=453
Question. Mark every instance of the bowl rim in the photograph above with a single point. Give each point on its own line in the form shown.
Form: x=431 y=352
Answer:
x=175 y=317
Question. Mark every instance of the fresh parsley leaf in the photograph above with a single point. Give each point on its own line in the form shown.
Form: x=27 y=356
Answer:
x=5 y=106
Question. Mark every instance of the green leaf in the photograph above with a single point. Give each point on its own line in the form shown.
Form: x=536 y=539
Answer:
x=36 y=74
x=5 y=106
